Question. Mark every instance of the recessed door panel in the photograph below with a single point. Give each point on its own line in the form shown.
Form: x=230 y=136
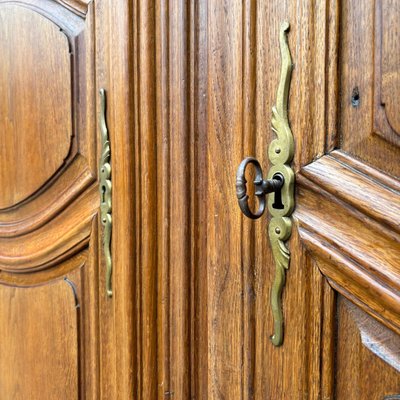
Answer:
x=369 y=81
x=35 y=102
x=48 y=202
x=39 y=342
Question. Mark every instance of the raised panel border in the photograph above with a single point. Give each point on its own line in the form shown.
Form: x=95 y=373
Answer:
x=61 y=238
x=354 y=238
x=115 y=30
x=79 y=169
x=377 y=338
x=78 y=6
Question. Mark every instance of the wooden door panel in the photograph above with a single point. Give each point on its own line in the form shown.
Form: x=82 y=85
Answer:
x=50 y=336
x=352 y=232
x=348 y=200
x=386 y=70
x=77 y=160
x=206 y=75
x=39 y=341
x=48 y=221
x=35 y=87
x=206 y=271
x=367 y=356
x=77 y=342
x=369 y=65
x=348 y=208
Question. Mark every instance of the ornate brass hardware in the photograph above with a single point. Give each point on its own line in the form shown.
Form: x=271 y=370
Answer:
x=105 y=191
x=280 y=181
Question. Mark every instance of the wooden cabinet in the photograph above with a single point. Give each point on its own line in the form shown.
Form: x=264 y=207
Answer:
x=59 y=329
x=189 y=87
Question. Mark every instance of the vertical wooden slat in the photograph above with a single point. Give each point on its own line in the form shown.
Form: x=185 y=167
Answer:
x=249 y=346
x=114 y=72
x=179 y=181
x=199 y=136
x=163 y=199
x=269 y=361
x=225 y=318
x=147 y=131
x=332 y=86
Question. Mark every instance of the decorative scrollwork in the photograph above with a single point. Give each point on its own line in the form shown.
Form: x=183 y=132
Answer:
x=105 y=190
x=280 y=153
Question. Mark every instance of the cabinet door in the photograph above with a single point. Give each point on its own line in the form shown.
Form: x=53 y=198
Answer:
x=208 y=73
x=58 y=326
x=48 y=202
x=349 y=200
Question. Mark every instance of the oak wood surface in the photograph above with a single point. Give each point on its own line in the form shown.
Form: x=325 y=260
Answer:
x=228 y=352
x=368 y=130
x=63 y=337
x=36 y=130
x=217 y=63
x=190 y=87
x=80 y=6
x=371 y=377
x=118 y=319
x=35 y=345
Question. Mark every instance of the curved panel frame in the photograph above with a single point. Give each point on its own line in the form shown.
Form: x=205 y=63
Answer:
x=78 y=171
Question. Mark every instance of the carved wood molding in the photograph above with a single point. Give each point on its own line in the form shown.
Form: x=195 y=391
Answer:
x=59 y=239
x=354 y=238
x=46 y=205
x=35 y=278
x=77 y=171
x=357 y=185
x=80 y=7
x=376 y=337
x=68 y=18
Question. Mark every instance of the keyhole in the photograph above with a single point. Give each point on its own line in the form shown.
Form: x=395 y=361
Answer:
x=355 y=97
x=103 y=193
x=277 y=204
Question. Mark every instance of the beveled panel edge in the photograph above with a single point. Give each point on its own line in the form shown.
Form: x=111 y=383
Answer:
x=340 y=176
x=26 y=218
x=46 y=204
x=70 y=22
x=376 y=290
x=363 y=168
x=80 y=7
x=36 y=278
x=46 y=247
x=384 y=343
x=42 y=119
x=353 y=281
x=382 y=125
x=390 y=137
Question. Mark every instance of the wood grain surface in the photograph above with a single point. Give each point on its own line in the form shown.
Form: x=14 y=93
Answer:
x=190 y=87
x=35 y=101
x=204 y=311
x=35 y=345
x=366 y=62
x=62 y=337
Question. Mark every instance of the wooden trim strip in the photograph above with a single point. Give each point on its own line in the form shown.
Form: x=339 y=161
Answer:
x=80 y=7
x=357 y=185
x=354 y=238
x=353 y=281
